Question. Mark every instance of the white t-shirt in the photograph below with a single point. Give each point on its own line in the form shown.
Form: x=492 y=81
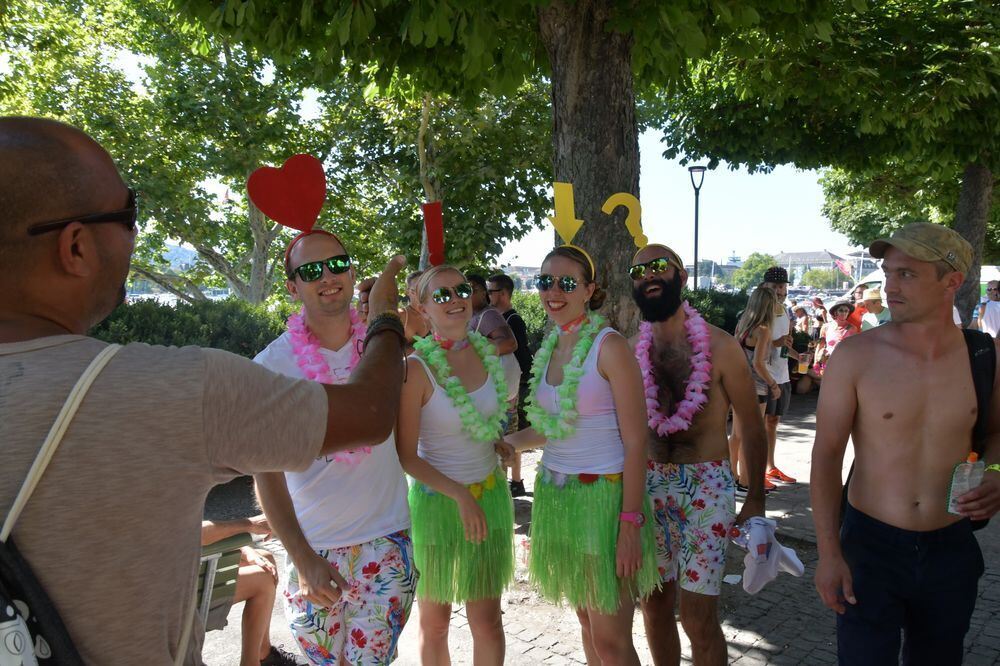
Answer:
x=777 y=365
x=342 y=504
x=872 y=320
x=990 y=321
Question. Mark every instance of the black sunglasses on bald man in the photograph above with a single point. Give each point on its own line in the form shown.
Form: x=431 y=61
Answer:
x=126 y=216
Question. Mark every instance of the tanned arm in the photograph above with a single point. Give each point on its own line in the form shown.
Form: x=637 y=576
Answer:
x=364 y=409
x=217 y=530
x=503 y=339
x=838 y=404
x=618 y=365
x=738 y=384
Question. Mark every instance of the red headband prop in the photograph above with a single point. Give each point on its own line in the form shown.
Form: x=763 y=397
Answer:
x=291 y=195
x=434 y=225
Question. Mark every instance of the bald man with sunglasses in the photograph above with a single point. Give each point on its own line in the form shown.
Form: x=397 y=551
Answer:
x=345 y=520
x=112 y=531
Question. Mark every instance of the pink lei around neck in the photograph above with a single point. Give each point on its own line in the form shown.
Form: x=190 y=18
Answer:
x=306 y=347
x=696 y=389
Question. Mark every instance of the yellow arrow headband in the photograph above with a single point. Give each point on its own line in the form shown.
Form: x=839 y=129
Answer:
x=567 y=225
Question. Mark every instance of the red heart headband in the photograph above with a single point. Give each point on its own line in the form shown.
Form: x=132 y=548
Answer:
x=434 y=225
x=291 y=195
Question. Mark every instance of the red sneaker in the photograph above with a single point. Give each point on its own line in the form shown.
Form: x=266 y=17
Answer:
x=768 y=486
x=775 y=475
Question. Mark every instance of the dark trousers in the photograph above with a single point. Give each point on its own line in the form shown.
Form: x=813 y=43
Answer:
x=918 y=588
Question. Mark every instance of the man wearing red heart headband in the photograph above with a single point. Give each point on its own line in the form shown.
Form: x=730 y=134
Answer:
x=344 y=521
x=159 y=427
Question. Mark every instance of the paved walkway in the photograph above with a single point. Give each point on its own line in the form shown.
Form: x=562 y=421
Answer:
x=783 y=624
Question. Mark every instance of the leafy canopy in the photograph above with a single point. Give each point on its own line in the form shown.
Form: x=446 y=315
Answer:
x=751 y=273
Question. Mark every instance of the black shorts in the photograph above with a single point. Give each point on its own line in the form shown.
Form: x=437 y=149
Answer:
x=922 y=585
x=778 y=406
x=762 y=399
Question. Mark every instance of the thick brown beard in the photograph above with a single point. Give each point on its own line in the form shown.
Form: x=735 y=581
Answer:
x=662 y=307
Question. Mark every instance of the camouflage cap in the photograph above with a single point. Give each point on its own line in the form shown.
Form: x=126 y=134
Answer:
x=928 y=242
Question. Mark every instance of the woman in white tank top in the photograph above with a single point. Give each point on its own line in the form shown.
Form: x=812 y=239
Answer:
x=450 y=420
x=590 y=543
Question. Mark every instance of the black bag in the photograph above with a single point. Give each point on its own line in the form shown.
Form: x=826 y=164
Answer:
x=31 y=631
x=983 y=361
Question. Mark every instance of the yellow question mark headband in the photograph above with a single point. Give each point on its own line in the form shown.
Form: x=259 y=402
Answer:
x=567 y=225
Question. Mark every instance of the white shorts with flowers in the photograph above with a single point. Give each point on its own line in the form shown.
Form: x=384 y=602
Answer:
x=365 y=625
x=694 y=506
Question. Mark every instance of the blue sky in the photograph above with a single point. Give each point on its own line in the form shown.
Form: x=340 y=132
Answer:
x=740 y=212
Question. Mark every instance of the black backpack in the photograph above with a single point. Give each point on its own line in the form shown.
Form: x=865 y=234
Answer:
x=983 y=361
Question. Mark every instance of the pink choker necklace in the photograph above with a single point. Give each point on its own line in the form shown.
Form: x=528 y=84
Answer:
x=573 y=326
x=306 y=347
x=696 y=389
x=451 y=345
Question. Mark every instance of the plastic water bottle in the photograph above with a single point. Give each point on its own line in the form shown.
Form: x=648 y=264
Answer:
x=966 y=476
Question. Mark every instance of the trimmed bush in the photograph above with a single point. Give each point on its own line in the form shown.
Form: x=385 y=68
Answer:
x=717 y=307
x=232 y=325
x=529 y=306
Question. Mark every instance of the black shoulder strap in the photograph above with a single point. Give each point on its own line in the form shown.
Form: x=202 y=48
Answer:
x=983 y=360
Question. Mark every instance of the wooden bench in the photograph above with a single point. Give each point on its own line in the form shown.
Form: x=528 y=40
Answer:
x=220 y=565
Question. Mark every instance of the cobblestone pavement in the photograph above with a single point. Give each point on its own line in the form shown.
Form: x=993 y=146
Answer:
x=785 y=623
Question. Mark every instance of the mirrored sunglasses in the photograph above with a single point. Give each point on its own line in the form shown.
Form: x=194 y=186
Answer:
x=314 y=269
x=544 y=282
x=636 y=271
x=444 y=294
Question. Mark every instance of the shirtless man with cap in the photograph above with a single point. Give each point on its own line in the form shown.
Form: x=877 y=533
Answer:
x=689 y=469
x=903 y=393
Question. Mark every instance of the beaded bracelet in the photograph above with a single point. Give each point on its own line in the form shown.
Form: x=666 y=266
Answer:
x=382 y=323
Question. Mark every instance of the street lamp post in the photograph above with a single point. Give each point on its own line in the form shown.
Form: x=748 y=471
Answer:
x=699 y=173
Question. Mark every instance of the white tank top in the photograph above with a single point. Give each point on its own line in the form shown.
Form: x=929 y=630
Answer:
x=596 y=445
x=444 y=444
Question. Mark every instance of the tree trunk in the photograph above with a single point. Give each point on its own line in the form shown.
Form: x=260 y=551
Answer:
x=263 y=232
x=595 y=136
x=170 y=283
x=971 y=215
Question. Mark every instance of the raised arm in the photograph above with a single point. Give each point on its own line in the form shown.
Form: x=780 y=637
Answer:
x=363 y=411
x=838 y=404
x=617 y=363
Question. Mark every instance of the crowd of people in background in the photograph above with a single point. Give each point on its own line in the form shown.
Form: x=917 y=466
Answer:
x=634 y=496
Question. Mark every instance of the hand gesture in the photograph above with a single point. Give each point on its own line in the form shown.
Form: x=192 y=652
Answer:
x=473 y=518
x=834 y=583
x=983 y=501
x=253 y=557
x=381 y=295
x=505 y=450
x=319 y=581
x=259 y=525
x=628 y=552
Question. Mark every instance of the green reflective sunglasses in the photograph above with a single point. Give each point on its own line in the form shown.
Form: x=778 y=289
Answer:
x=444 y=294
x=544 y=282
x=654 y=265
x=314 y=269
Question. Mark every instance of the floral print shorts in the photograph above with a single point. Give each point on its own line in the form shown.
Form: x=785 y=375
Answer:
x=694 y=506
x=365 y=625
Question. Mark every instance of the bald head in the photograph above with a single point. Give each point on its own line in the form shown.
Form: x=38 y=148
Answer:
x=48 y=171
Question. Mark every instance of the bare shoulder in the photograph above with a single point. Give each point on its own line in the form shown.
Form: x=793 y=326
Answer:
x=724 y=345
x=615 y=345
x=416 y=376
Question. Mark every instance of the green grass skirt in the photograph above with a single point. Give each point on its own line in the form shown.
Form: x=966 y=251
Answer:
x=574 y=536
x=453 y=570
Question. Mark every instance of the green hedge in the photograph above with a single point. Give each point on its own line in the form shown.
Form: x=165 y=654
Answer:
x=529 y=306
x=717 y=307
x=232 y=325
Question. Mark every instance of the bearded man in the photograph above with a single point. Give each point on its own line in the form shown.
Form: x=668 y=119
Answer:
x=694 y=373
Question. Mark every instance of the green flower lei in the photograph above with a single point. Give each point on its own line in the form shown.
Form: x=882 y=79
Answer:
x=473 y=423
x=561 y=425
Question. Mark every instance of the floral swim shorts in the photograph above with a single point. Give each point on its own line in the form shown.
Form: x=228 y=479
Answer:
x=694 y=506
x=365 y=625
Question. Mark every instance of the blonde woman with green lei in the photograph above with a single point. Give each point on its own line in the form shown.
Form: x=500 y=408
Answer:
x=591 y=543
x=450 y=418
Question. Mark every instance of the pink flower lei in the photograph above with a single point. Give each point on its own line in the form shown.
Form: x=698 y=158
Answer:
x=306 y=348
x=696 y=389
